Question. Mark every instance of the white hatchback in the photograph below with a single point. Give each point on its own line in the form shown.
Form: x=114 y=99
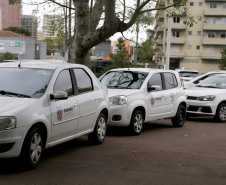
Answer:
x=141 y=94
x=208 y=97
x=47 y=103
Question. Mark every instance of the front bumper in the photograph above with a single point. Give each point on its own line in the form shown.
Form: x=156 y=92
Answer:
x=201 y=107
x=120 y=115
x=11 y=142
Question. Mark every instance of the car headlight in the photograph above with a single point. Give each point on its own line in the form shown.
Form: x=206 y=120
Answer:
x=206 y=98
x=118 y=100
x=7 y=123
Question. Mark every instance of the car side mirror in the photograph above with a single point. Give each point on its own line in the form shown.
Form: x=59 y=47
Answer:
x=154 y=88
x=59 y=95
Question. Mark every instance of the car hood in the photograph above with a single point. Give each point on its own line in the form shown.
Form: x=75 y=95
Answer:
x=126 y=92
x=9 y=106
x=201 y=91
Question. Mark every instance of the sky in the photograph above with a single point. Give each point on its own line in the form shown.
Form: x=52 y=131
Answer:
x=27 y=10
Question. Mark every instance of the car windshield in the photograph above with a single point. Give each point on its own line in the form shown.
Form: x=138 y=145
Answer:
x=124 y=79
x=24 y=82
x=215 y=81
x=188 y=74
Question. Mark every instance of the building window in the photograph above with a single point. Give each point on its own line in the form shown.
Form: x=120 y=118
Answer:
x=188 y=46
x=213 y=5
x=223 y=35
x=200 y=4
x=199 y=33
x=222 y=48
x=211 y=20
x=197 y=47
x=224 y=5
x=211 y=34
x=199 y=18
x=210 y=49
x=191 y=4
x=189 y=32
x=175 y=34
x=176 y=19
x=223 y=20
x=174 y=48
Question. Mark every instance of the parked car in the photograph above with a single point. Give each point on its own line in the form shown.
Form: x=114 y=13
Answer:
x=208 y=97
x=43 y=104
x=187 y=75
x=138 y=95
x=193 y=82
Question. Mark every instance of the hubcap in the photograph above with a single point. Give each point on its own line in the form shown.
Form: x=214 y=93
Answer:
x=138 y=123
x=36 y=148
x=222 y=113
x=101 y=128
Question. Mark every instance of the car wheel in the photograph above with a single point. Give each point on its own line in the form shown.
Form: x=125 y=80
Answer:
x=136 y=122
x=221 y=113
x=179 y=119
x=99 y=133
x=32 y=149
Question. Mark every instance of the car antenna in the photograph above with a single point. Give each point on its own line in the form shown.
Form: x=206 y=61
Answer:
x=19 y=63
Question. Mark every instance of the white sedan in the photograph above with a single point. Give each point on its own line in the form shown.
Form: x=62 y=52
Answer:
x=43 y=104
x=208 y=97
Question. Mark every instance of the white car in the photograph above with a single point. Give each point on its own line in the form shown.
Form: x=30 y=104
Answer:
x=141 y=94
x=47 y=103
x=193 y=82
x=187 y=75
x=208 y=97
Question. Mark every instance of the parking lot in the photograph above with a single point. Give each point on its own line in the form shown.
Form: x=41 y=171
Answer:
x=193 y=154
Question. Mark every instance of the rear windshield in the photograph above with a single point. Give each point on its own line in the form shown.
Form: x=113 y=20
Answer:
x=124 y=79
x=189 y=74
x=29 y=82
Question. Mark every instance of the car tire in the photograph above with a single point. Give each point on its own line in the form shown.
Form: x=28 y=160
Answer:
x=179 y=119
x=99 y=133
x=221 y=113
x=136 y=122
x=32 y=149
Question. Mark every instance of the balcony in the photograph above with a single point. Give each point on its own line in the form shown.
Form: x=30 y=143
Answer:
x=211 y=55
x=214 y=27
x=178 y=26
x=214 y=41
x=157 y=47
x=215 y=0
x=176 y=54
x=158 y=24
x=215 y=12
x=160 y=14
x=159 y=42
x=159 y=29
x=177 y=40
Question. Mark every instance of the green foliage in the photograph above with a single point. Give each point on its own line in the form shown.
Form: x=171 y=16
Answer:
x=54 y=44
x=146 y=51
x=222 y=61
x=18 y=30
x=122 y=54
x=15 y=1
x=7 y=56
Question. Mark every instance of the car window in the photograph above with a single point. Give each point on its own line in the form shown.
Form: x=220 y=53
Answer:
x=189 y=74
x=214 y=81
x=170 y=80
x=155 y=79
x=124 y=79
x=30 y=82
x=84 y=82
x=64 y=83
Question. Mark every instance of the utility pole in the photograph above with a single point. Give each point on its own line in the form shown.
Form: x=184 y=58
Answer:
x=168 y=41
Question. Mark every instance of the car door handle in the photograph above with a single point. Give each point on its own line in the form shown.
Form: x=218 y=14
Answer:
x=75 y=105
x=96 y=99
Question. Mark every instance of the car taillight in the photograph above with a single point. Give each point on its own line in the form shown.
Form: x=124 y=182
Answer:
x=181 y=81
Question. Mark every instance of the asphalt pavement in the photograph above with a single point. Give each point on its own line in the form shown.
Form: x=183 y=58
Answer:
x=162 y=155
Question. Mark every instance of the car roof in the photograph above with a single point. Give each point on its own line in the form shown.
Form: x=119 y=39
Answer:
x=142 y=69
x=39 y=64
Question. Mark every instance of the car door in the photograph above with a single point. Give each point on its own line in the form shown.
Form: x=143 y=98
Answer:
x=156 y=100
x=171 y=91
x=88 y=99
x=64 y=113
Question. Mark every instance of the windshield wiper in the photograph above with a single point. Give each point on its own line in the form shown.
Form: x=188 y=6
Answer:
x=207 y=86
x=15 y=94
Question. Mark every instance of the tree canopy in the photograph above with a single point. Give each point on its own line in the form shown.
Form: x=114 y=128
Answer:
x=222 y=61
x=94 y=21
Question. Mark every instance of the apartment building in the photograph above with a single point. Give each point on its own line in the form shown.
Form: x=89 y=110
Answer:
x=30 y=23
x=50 y=23
x=198 y=47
